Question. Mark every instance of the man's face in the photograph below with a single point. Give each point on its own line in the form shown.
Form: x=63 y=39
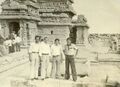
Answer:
x=68 y=42
x=13 y=32
x=45 y=40
x=37 y=39
x=56 y=42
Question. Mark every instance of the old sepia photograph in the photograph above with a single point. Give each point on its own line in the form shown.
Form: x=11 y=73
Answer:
x=59 y=43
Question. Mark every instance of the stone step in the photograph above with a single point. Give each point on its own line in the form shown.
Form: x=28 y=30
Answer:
x=12 y=60
x=56 y=83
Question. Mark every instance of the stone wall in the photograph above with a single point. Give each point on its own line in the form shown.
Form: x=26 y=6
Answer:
x=4 y=29
x=32 y=30
x=111 y=41
x=53 y=32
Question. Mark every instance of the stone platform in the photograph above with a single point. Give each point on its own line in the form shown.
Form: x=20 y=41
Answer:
x=56 y=83
x=15 y=69
x=12 y=60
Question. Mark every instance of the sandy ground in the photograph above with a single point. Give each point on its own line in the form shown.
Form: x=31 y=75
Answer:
x=97 y=73
x=97 y=76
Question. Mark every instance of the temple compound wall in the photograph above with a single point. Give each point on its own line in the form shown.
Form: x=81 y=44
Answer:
x=110 y=41
x=46 y=18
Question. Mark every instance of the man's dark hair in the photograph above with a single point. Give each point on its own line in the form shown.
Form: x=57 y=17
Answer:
x=40 y=37
x=45 y=38
x=57 y=39
x=69 y=39
x=37 y=37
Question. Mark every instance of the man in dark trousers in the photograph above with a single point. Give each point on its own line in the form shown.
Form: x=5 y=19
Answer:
x=70 y=53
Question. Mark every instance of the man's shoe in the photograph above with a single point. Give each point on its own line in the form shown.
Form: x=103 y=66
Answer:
x=47 y=77
x=36 y=78
x=42 y=79
x=32 y=79
x=74 y=80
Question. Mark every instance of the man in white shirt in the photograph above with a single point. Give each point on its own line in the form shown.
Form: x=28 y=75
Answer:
x=70 y=52
x=10 y=45
x=45 y=54
x=18 y=42
x=34 y=58
x=6 y=43
x=57 y=57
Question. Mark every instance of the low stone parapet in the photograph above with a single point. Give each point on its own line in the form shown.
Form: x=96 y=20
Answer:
x=12 y=60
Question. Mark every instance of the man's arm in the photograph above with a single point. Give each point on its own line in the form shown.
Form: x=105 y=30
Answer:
x=50 y=54
x=30 y=52
x=40 y=51
x=62 y=54
x=76 y=50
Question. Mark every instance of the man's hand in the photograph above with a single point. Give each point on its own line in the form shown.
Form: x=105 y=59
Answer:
x=51 y=59
x=30 y=57
x=61 y=60
x=40 y=58
x=75 y=56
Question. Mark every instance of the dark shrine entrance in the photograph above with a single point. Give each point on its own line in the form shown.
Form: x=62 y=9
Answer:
x=73 y=34
x=14 y=26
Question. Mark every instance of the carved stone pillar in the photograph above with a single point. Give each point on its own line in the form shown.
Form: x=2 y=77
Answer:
x=23 y=32
x=82 y=30
x=4 y=28
x=33 y=30
x=82 y=35
x=85 y=35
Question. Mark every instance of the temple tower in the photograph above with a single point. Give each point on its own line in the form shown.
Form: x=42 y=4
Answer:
x=20 y=16
x=46 y=18
x=56 y=17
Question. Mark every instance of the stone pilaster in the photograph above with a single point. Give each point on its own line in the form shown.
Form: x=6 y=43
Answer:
x=82 y=35
x=85 y=35
x=4 y=28
x=33 y=30
x=23 y=32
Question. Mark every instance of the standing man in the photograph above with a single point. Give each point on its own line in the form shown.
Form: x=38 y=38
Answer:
x=70 y=53
x=34 y=58
x=45 y=54
x=18 y=43
x=57 y=57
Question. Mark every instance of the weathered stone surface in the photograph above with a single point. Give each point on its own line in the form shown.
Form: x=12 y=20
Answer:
x=109 y=41
x=53 y=32
x=51 y=18
x=12 y=60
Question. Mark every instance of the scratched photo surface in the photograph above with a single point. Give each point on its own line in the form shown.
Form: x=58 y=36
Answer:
x=59 y=43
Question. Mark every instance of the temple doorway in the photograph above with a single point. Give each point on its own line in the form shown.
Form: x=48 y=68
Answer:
x=73 y=34
x=14 y=26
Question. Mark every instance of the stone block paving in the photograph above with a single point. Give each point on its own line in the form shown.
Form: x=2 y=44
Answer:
x=19 y=75
x=12 y=60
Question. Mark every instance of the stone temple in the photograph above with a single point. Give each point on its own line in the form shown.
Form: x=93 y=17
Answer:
x=47 y=18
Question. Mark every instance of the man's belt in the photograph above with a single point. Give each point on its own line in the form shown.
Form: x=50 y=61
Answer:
x=45 y=53
x=70 y=55
x=56 y=55
x=35 y=52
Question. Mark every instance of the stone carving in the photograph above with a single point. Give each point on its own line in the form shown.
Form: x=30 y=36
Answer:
x=13 y=4
x=55 y=7
x=80 y=36
x=55 y=20
x=41 y=13
x=81 y=19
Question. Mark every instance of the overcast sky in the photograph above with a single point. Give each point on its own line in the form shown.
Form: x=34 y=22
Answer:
x=103 y=15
